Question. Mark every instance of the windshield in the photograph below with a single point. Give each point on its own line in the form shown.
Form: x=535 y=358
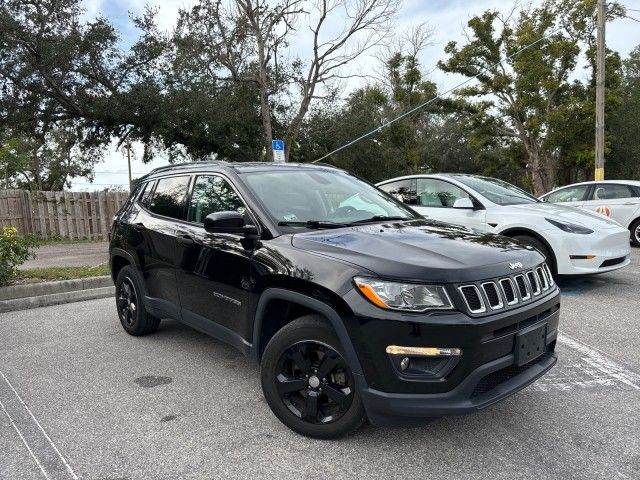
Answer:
x=499 y=192
x=304 y=197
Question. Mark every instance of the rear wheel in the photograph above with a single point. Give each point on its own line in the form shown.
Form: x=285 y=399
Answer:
x=133 y=316
x=541 y=247
x=635 y=233
x=307 y=381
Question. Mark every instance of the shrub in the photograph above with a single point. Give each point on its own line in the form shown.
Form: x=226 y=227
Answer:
x=14 y=251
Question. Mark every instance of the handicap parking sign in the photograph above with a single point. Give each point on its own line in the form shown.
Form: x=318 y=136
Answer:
x=278 y=150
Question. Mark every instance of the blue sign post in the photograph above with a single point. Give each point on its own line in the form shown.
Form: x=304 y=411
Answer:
x=278 y=151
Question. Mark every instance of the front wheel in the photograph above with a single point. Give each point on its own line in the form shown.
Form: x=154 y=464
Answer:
x=635 y=233
x=307 y=381
x=133 y=315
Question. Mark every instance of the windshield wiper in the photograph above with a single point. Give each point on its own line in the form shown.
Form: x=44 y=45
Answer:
x=313 y=224
x=379 y=218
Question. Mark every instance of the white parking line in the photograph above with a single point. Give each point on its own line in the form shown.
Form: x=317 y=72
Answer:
x=15 y=427
x=25 y=425
x=602 y=362
x=582 y=366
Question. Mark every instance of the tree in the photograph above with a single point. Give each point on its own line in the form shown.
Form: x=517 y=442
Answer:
x=433 y=138
x=46 y=162
x=246 y=40
x=527 y=95
x=624 y=159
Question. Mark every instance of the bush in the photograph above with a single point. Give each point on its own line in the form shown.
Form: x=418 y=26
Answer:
x=14 y=251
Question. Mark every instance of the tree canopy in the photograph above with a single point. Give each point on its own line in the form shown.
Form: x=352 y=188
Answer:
x=224 y=82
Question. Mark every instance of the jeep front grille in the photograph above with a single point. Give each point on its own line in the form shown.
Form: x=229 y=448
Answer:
x=508 y=291
x=500 y=293
x=533 y=282
x=491 y=292
x=472 y=298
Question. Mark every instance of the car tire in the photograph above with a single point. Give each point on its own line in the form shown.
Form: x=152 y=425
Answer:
x=131 y=310
x=635 y=233
x=541 y=247
x=307 y=381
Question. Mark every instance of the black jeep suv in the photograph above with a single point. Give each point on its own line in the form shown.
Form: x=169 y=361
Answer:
x=354 y=305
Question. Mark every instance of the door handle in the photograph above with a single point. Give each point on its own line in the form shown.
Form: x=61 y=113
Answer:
x=138 y=226
x=184 y=239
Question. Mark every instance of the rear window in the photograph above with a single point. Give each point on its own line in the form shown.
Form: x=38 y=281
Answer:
x=169 y=197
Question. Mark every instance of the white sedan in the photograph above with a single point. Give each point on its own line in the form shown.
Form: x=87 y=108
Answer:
x=617 y=199
x=576 y=242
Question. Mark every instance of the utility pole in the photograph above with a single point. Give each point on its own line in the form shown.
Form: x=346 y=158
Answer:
x=128 y=144
x=600 y=57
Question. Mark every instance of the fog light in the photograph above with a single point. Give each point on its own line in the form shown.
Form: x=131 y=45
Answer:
x=424 y=351
x=404 y=363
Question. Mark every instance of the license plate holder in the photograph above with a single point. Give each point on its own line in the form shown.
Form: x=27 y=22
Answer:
x=530 y=344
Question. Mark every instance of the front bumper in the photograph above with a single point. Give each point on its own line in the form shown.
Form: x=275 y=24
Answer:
x=480 y=389
x=486 y=373
x=610 y=247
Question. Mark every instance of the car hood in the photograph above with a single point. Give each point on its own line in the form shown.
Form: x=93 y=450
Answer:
x=421 y=250
x=567 y=214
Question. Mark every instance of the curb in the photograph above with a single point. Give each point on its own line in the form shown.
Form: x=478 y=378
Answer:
x=22 y=297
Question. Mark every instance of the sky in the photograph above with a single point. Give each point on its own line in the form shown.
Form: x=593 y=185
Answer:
x=446 y=18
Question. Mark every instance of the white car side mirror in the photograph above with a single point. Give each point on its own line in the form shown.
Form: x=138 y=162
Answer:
x=463 y=203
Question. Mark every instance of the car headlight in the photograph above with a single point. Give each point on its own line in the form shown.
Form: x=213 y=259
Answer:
x=569 y=227
x=408 y=297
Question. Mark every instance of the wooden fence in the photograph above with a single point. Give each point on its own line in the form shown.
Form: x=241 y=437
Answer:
x=69 y=215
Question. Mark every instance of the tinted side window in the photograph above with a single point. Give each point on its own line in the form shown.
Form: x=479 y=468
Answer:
x=169 y=197
x=611 y=191
x=569 y=194
x=438 y=193
x=401 y=190
x=145 y=194
x=213 y=194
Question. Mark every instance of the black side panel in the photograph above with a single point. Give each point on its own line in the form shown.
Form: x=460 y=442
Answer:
x=215 y=330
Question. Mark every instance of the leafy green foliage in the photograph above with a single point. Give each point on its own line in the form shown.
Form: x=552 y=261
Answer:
x=623 y=160
x=14 y=251
x=528 y=95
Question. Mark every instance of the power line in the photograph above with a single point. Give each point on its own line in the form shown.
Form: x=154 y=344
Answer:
x=440 y=95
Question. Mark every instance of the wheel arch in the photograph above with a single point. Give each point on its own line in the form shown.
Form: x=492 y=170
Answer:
x=298 y=304
x=119 y=259
x=513 y=231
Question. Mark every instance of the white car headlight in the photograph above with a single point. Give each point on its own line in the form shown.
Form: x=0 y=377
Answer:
x=408 y=297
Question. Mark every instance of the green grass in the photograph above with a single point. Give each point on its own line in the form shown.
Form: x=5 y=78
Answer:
x=59 y=273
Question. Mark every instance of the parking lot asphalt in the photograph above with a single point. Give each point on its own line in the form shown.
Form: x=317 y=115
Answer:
x=80 y=398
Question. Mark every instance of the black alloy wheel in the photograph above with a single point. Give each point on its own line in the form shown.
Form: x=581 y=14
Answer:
x=130 y=305
x=314 y=382
x=127 y=303
x=308 y=381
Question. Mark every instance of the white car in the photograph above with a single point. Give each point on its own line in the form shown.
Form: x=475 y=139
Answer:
x=617 y=199
x=575 y=241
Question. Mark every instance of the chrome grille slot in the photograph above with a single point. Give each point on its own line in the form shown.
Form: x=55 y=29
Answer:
x=508 y=291
x=548 y=272
x=522 y=287
x=472 y=298
x=533 y=281
x=493 y=296
x=542 y=278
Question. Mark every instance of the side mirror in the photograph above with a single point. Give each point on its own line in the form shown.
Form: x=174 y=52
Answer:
x=464 y=203
x=228 y=222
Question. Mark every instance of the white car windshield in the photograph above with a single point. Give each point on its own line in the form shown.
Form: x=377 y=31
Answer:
x=304 y=196
x=499 y=192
